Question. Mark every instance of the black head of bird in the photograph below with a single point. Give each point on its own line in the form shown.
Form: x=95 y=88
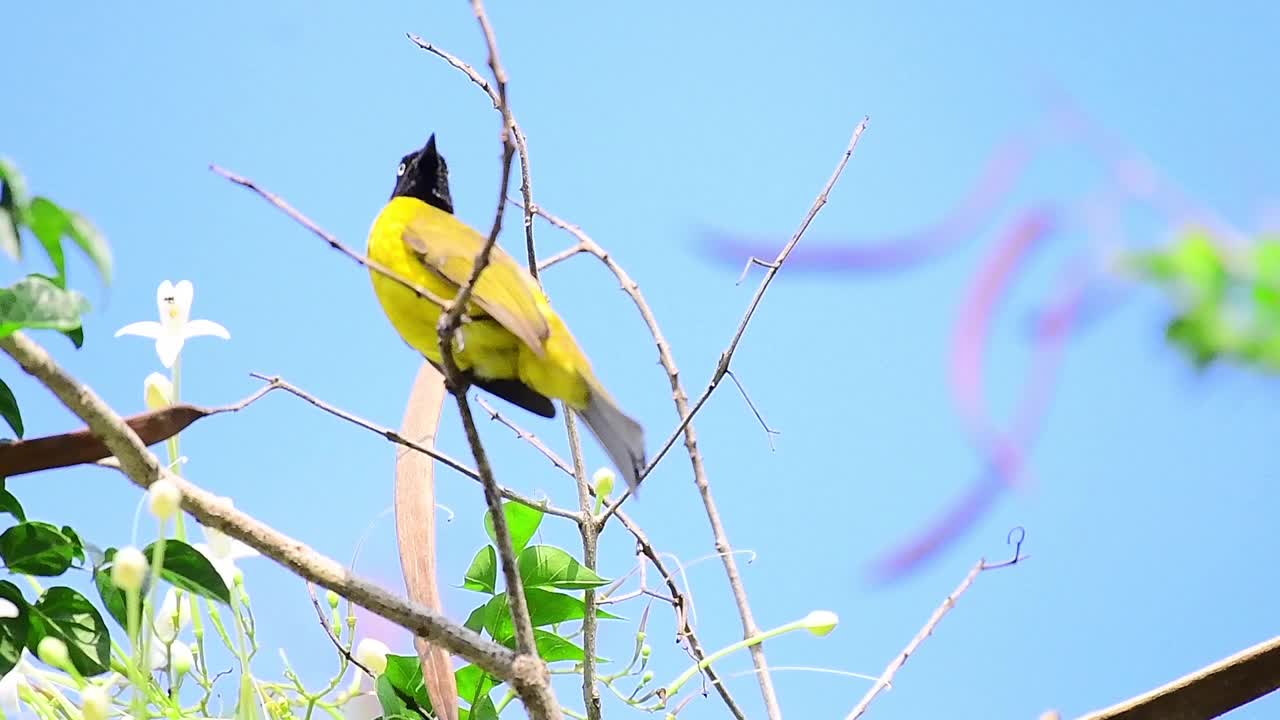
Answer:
x=423 y=174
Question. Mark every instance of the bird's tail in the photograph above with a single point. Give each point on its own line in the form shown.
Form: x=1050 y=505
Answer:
x=622 y=437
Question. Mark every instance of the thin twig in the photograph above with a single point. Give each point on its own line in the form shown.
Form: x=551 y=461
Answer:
x=399 y=439
x=421 y=292
x=768 y=431
x=324 y=623
x=498 y=98
x=590 y=559
x=526 y=674
x=526 y=436
x=886 y=677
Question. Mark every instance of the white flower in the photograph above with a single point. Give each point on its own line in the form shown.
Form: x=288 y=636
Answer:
x=223 y=552
x=12 y=681
x=173 y=615
x=129 y=568
x=175 y=326
x=157 y=391
x=364 y=706
x=178 y=657
x=373 y=655
x=8 y=609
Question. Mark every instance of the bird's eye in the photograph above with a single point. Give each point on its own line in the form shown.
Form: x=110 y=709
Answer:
x=400 y=172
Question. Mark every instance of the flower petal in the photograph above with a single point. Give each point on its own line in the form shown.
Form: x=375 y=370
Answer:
x=364 y=706
x=8 y=609
x=183 y=293
x=196 y=328
x=173 y=615
x=168 y=347
x=146 y=328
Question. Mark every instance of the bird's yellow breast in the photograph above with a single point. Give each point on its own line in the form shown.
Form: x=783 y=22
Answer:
x=558 y=369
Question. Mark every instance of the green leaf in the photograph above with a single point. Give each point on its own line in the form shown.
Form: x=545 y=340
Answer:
x=75 y=539
x=9 y=409
x=404 y=672
x=476 y=620
x=188 y=569
x=76 y=336
x=48 y=222
x=483 y=710
x=396 y=705
x=14 y=186
x=9 y=504
x=548 y=566
x=473 y=683
x=91 y=242
x=36 y=302
x=545 y=608
x=113 y=598
x=551 y=647
x=522 y=523
x=37 y=548
x=483 y=573
x=13 y=630
x=69 y=616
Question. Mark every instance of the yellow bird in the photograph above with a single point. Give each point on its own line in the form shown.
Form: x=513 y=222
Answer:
x=511 y=343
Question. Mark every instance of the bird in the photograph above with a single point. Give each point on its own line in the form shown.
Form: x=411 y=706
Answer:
x=511 y=343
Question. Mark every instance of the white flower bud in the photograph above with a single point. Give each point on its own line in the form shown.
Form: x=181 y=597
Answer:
x=604 y=479
x=373 y=655
x=157 y=391
x=164 y=498
x=94 y=703
x=180 y=658
x=53 y=652
x=820 y=622
x=129 y=569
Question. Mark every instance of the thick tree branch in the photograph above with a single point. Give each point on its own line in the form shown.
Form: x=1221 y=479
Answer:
x=526 y=674
x=1208 y=692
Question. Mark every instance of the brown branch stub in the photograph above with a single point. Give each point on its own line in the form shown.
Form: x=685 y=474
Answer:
x=82 y=446
x=1208 y=692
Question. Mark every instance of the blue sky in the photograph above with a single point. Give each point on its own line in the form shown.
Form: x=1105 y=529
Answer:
x=1149 y=517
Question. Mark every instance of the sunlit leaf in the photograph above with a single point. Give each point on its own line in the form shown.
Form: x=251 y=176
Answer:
x=90 y=240
x=483 y=573
x=48 y=223
x=551 y=647
x=36 y=302
x=548 y=566
x=69 y=616
x=522 y=523
x=473 y=683
x=404 y=672
x=545 y=608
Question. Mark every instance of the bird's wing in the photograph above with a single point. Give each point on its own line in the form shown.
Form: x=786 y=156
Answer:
x=503 y=291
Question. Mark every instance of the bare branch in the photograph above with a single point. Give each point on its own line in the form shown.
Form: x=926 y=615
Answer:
x=680 y=601
x=526 y=436
x=886 y=678
x=399 y=439
x=421 y=292
x=527 y=675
